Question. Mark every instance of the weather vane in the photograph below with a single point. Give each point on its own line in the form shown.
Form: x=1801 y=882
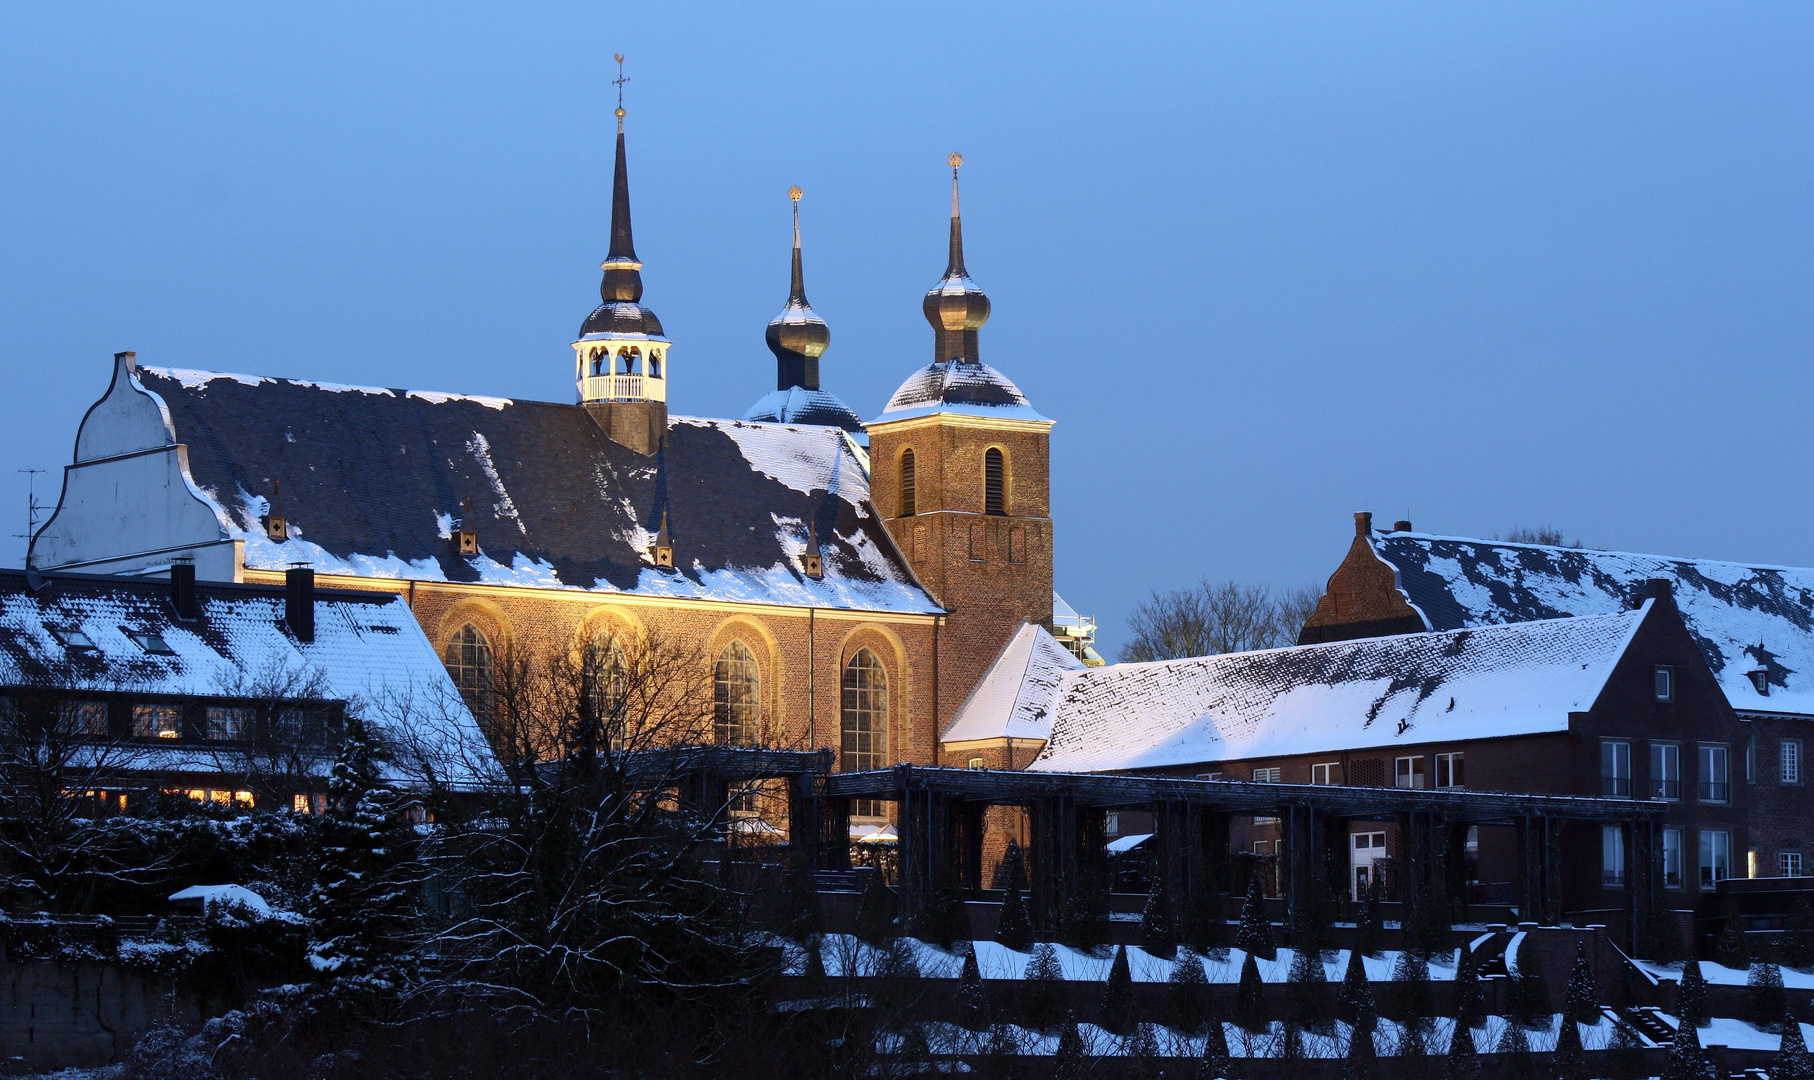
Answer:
x=619 y=82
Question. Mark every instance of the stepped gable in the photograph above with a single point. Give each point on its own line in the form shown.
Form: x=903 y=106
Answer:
x=374 y=481
x=1519 y=679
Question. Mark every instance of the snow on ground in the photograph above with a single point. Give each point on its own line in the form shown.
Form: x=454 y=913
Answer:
x=1721 y=975
x=1735 y=1033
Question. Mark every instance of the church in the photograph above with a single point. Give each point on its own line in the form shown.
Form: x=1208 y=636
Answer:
x=847 y=583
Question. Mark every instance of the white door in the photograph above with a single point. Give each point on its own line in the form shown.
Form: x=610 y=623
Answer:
x=1365 y=849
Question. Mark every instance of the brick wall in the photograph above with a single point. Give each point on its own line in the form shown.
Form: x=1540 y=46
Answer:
x=1362 y=597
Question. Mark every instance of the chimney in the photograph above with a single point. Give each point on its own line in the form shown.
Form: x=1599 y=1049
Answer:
x=182 y=589
x=1659 y=589
x=1363 y=524
x=1401 y=526
x=299 y=602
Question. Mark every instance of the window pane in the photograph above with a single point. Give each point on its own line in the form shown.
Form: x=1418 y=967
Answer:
x=1612 y=855
x=1665 y=771
x=737 y=695
x=1791 y=761
x=1672 y=858
x=1615 y=768
x=469 y=661
x=864 y=734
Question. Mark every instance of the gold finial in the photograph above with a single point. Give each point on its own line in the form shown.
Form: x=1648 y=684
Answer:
x=955 y=160
x=794 y=193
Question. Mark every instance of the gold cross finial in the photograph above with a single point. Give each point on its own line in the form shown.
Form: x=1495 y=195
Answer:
x=619 y=82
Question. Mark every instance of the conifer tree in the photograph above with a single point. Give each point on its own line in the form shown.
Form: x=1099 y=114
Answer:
x=1255 y=936
x=1428 y=928
x=946 y=919
x=1118 y=995
x=1470 y=1002
x=1043 y=993
x=875 y=912
x=1528 y=992
x=1204 y=926
x=1290 y=1045
x=1513 y=1052
x=1012 y=873
x=1765 y=1001
x=1797 y=947
x=1624 y=1058
x=1792 y=1062
x=1362 y=1060
x=1411 y=988
x=1687 y=1061
x=1250 y=997
x=1356 y=995
x=1214 y=1063
x=1072 y=1061
x=1304 y=1004
x=972 y=996
x=1158 y=930
x=1463 y=1059
x=1187 y=994
x=1013 y=928
x=1412 y=1044
x=1140 y=1048
x=364 y=905
x=1691 y=1000
x=1731 y=949
x=1001 y=1054
x=813 y=981
x=1570 y=1061
x=1582 y=1003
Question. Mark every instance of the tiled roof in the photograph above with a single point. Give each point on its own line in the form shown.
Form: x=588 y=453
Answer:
x=963 y=387
x=1491 y=682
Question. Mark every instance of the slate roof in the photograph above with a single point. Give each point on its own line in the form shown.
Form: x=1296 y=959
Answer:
x=373 y=480
x=965 y=387
x=369 y=653
x=1491 y=682
x=1745 y=617
x=800 y=406
x=1015 y=697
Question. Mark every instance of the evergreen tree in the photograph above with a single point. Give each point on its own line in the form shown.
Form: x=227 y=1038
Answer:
x=1660 y=936
x=1624 y=1059
x=1731 y=949
x=364 y=903
x=1513 y=1052
x=1255 y=936
x=1043 y=993
x=1370 y=929
x=1361 y=1061
x=1304 y=1004
x=1691 y=1000
x=1118 y=995
x=1140 y=1049
x=1158 y=930
x=1797 y=947
x=946 y=919
x=1570 y=1061
x=1792 y=1062
x=875 y=912
x=1205 y=923
x=1012 y=873
x=1413 y=1045
x=1429 y=929
x=1356 y=995
x=1290 y=1045
x=1411 y=988
x=1214 y=1063
x=813 y=981
x=1187 y=994
x=1463 y=1061
x=1470 y=1002
x=1582 y=1003
x=1250 y=997
x=1072 y=1061
x=1013 y=928
x=1082 y=915
x=1765 y=1001
x=1001 y=1054
x=1528 y=992
x=972 y=996
x=1687 y=1061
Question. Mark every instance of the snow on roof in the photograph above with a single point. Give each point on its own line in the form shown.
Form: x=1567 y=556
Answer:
x=84 y=632
x=224 y=894
x=1015 y=696
x=1745 y=617
x=962 y=387
x=1490 y=682
x=799 y=406
x=371 y=480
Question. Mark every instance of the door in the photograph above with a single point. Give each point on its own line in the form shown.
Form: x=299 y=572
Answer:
x=1365 y=849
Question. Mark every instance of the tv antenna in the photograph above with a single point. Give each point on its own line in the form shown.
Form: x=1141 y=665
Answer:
x=31 y=508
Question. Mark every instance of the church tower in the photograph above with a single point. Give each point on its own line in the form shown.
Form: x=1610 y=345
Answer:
x=621 y=357
x=798 y=337
x=960 y=469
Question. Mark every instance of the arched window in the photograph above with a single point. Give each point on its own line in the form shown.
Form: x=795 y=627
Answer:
x=909 y=504
x=995 y=491
x=468 y=659
x=626 y=361
x=604 y=680
x=598 y=358
x=736 y=696
x=865 y=722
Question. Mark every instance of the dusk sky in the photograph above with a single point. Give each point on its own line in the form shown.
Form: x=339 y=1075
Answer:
x=1484 y=266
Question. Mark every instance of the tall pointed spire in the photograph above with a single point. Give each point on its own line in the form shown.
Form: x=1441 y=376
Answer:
x=797 y=336
x=623 y=270
x=956 y=307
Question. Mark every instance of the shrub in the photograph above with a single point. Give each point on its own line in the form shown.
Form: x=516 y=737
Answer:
x=1304 y=1005
x=1582 y=1003
x=972 y=997
x=1792 y=1061
x=1691 y=1000
x=1411 y=988
x=875 y=912
x=1687 y=1061
x=1356 y=995
x=1463 y=1060
x=1731 y=948
x=1765 y=1001
x=1158 y=931
x=1250 y=997
x=1361 y=1060
x=1072 y=1060
x=1118 y=995
x=1043 y=994
x=1570 y=1060
x=1624 y=1058
x=1470 y=1002
x=1187 y=994
x=1798 y=935
x=1514 y=1054
x=1014 y=929
x=1255 y=936
x=813 y=982
x=1205 y=923
x=1370 y=929
x=1214 y=1062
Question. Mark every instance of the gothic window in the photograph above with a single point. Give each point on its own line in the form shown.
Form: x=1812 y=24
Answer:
x=468 y=659
x=604 y=678
x=736 y=695
x=995 y=498
x=865 y=722
x=909 y=503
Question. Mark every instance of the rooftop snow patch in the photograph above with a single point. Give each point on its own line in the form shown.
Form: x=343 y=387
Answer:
x=1016 y=696
x=959 y=387
x=1468 y=684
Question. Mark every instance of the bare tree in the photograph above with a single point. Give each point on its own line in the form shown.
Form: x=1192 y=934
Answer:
x=1216 y=617
x=279 y=735
x=1546 y=535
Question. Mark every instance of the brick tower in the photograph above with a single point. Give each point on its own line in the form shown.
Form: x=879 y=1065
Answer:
x=960 y=468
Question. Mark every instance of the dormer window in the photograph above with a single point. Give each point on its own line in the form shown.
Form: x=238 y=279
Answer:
x=71 y=638
x=151 y=641
x=1760 y=681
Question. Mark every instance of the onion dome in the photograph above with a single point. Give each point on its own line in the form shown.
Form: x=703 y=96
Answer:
x=622 y=286
x=797 y=336
x=956 y=307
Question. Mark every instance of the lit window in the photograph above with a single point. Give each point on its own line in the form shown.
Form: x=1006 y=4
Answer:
x=1449 y=771
x=1327 y=774
x=1788 y=863
x=1615 y=768
x=1612 y=855
x=736 y=696
x=1665 y=683
x=995 y=493
x=1407 y=772
x=299 y=804
x=1672 y=858
x=605 y=679
x=1716 y=856
x=1111 y=822
x=157 y=721
x=1665 y=771
x=864 y=734
x=979 y=763
x=1791 y=761
x=1715 y=782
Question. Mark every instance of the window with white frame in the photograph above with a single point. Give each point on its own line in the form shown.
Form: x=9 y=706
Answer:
x=1788 y=863
x=1665 y=771
x=1672 y=858
x=1407 y=772
x=1716 y=856
x=1612 y=855
x=1328 y=774
x=1615 y=768
x=1111 y=823
x=1790 y=757
x=1716 y=779
x=1449 y=771
x=1266 y=776
x=1665 y=683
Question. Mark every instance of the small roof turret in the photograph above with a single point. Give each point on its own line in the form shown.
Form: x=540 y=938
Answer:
x=798 y=337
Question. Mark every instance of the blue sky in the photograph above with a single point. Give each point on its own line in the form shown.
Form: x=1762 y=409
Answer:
x=1484 y=265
